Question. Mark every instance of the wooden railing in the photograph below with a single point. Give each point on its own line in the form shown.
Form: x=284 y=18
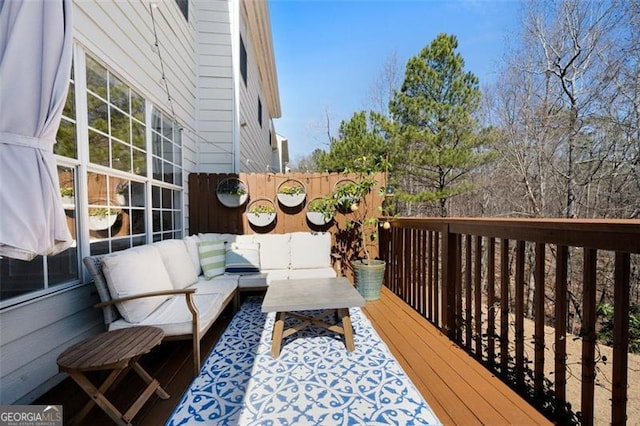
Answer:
x=493 y=285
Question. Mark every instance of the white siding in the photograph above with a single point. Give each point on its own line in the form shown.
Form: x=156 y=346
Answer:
x=254 y=138
x=214 y=98
x=119 y=34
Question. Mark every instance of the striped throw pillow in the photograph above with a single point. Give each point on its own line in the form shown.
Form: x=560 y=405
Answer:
x=211 y=254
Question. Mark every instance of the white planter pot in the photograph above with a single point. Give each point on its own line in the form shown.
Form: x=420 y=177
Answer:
x=232 y=200
x=318 y=218
x=291 y=200
x=68 y=202
x=261 y=219
x=99 y=223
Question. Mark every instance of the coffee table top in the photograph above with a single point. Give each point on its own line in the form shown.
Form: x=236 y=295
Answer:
x=309 y=294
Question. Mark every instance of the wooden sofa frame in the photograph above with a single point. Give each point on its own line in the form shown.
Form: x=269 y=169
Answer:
x=111 y=314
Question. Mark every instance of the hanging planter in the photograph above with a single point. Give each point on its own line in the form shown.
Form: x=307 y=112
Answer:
x=232 y=192
x=321 y=210
x=101 y=218
x=291 y=193
x=261 y=212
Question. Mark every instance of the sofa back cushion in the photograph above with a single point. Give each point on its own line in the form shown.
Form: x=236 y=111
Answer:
x=135 y=271
x=212 y=256
x=178 y=263
x=275 y=251
x=242 y=258
x=310 y=250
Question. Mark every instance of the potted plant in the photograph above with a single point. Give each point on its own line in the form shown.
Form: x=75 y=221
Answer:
x=321 y=210
x=351 y=196
x=291 y=193
x=66 y=196
x=232 y=192
x=261 y=212
x=101 y=218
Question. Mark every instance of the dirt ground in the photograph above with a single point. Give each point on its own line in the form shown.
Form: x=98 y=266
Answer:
x=603 y=375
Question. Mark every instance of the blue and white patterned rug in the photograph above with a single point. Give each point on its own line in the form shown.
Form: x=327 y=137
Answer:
x=315 y=381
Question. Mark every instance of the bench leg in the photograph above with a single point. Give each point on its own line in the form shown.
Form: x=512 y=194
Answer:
x=348 y=329
x=278 y=328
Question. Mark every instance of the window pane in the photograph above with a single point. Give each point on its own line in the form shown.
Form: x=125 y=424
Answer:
x=96 y=78
x=137 y=106
x=120 y=125
x=98 y=148
x=155 y=197
x=166 y=198
x=156 y=144
x=70 y=105
x=119 y=93
x=167 y=150
x=139 y=163
x=66 y=139
x=63 y=267
x=20 y=277
x=137 y=222
x=156 y=221
x=137 y=194
x=97 y=112
x=121 y=156
x=101 y=247
x=137 y=134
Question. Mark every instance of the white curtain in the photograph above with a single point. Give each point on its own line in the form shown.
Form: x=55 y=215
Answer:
x=35 y=65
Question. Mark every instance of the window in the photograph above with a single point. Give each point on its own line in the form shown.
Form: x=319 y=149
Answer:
x=184 y=8
x=119 y=186
x=259 y=111
x=243 y=61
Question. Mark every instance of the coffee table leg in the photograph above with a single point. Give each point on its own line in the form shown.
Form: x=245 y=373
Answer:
x=348 y=329
x=278 y=328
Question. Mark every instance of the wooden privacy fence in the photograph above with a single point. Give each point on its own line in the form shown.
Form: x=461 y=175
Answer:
x=207 y=214
x=493 y=285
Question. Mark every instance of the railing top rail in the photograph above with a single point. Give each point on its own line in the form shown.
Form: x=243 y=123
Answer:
x=604 y=234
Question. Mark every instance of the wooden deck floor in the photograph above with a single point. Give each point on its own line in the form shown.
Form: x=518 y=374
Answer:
x=456 y=386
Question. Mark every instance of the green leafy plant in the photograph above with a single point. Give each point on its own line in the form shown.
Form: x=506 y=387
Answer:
x=262 y=208
x=101 y=211
x=236 y=190
x=291 y=189
x=67 y=191
x=604 y=311
x=324 y=205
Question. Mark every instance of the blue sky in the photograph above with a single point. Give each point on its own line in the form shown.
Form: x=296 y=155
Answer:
x=329 y=52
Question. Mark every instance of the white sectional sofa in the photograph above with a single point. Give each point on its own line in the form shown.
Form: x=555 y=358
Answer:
x=164 y=284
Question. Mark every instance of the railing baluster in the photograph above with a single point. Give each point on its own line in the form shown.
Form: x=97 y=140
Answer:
x=491 y=300
x=519 y=320
x=539 y=320
x=449 y=265
x=560 y=372
x=458 y=292
x=477 y=292
x=437 y=287
x=504 y=306
x=424 y=264
x=620 y=339
x=588 y=335
x=430 y=254
x=467 y=293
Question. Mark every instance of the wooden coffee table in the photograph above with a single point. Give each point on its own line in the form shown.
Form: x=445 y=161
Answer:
x=119 y=351
x=286 y=297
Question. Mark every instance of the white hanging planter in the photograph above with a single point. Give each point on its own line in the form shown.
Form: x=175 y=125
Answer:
x=291 y=200
x=291 y=193
x=99 y=223
x=261 y=219
x=318 y=218
x=68 y=202
x=232 y=192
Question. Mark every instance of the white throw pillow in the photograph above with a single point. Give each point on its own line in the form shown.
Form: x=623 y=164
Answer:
x=242 y=258
x=178 y=263
x=192 y=248
x=275 y=251
x=310 y=250
x=212 y=258
x=135 y=271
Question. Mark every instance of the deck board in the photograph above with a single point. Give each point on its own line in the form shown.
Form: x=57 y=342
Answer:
x=458 y=388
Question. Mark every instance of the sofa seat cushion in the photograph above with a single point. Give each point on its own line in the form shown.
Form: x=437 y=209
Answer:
x=134 y=271
x=178 y=263
x=296 y=274
x=174 y=317
x=310 y=250
x=249 y=281
x=223 y=285
x=275 y=250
